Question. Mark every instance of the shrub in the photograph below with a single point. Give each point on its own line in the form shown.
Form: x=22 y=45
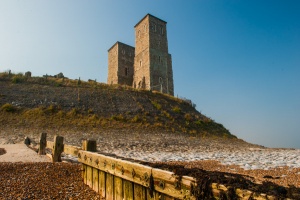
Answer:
x=57 y=84
x=35 y=112
x=188 y=117
x=61 y=114
x=207 y=120
x=51 y=109
x=156 y=105
x=19 y=78
x=104 y=122
x=135 y=119
x=198 y=122
x=158 y=124
x=176 y=109
x=73 y=112
x=167 y=114
x=119 y=117
x=147 y=114
x=8 y=108
x=93 y=118
x=90 y=111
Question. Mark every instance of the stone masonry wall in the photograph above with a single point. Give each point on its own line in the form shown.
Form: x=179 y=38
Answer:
x=161 y=65
x=142 y=60
x=112 y=77
x=120 y=64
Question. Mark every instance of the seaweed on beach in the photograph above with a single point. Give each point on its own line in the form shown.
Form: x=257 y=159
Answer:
x=231 y=181
x=2 y=151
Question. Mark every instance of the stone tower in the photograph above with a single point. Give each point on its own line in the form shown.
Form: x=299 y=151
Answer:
x=148 y=65
x=152 y=62
x=120 y=64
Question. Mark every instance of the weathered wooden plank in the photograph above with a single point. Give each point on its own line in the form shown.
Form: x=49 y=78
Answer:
x=243 y=194
x=187 y=183
x=43 y=143
x=89 y=176
x=139 y=192
x=58 y=148
x=157 y=196
x=102 y=185
x=161 y=196
x=150 y=195
x=89 y=145
x=164 y=182
x=95 y=179
x=84 y=173
x=118 y=188
x=137 y=184
x=71 y=150
x=134 y=172
x=166 y=197
x=50 y=145
x=127 y=190
x=109 y=192
x=168 y=183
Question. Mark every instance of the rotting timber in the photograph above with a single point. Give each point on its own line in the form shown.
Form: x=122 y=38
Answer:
x=117 y=178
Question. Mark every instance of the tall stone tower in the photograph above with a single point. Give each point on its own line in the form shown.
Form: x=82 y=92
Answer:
x=152 y=62
x=120 y=64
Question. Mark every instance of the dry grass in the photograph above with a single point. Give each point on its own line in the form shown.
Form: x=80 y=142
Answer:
x=125 y=107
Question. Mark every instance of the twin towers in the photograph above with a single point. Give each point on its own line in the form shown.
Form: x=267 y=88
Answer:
x=147 y=66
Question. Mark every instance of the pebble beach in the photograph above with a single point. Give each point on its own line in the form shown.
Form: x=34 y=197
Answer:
x=278 y=165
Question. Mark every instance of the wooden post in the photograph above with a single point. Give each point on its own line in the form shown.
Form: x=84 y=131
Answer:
x=109 y=193
x=89 y=145
x=128 y=190
x=139 y=192
x=96 y=180
x=118 y=188
x=89 y=176
x=58 y=148
x=84 y=173
x=43 y=143
x=102 y=185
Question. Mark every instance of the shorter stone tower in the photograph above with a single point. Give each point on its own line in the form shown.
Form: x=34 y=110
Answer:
x=120 y=64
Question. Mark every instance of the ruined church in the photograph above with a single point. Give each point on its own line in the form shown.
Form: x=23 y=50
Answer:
x=148 y=65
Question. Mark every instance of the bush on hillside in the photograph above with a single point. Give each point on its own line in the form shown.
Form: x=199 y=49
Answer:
x=19 y=78
x=8 y=108
x=176 y=109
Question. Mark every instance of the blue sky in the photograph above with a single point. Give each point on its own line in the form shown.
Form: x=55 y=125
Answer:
x=239 y=61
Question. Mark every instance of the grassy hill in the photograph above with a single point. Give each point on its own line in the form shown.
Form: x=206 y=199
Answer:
x=47 y=102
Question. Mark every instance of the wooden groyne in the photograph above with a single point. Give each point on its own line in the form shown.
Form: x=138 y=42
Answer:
x=118 y=179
